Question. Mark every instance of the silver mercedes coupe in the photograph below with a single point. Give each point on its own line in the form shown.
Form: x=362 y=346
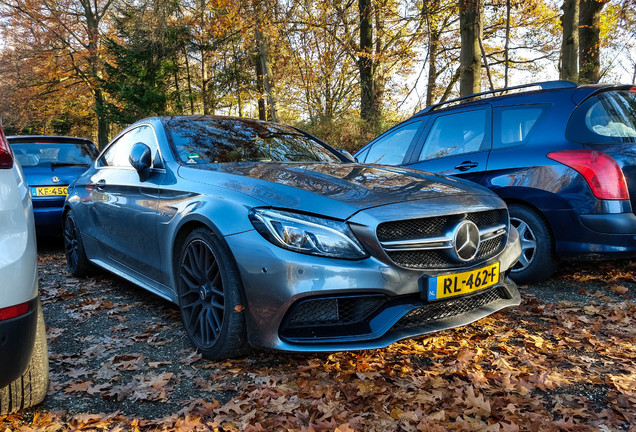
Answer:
x=267 y=237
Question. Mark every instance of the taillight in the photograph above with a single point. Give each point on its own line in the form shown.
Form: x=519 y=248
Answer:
x=13 y=311
x=599 y=169
x=6 y=160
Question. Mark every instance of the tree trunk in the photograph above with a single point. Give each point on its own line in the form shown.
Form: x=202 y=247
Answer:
x=260 y=86
x=189 y=77
x=507 y=44
x=92 y=26
x=470 y=13
x=590 y=40
x=103 y=126
x=570 y=45
x=263 y=59
x=368 y=105
x=430 y=7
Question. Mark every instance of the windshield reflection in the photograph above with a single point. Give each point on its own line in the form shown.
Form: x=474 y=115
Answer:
x=204 y=140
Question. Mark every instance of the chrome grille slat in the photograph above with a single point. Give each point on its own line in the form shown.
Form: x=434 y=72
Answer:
x=439 y=242
x=426 y=243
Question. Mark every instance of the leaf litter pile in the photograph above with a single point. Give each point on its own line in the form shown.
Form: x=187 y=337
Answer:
x=565 y=360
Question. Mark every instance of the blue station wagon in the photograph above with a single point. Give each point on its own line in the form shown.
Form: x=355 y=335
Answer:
x=562 y=156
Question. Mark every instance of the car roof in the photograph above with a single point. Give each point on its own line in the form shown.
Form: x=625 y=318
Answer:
x=522 y=92
x=47 y=139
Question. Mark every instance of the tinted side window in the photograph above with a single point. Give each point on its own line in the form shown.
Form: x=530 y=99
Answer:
x=117 y=154
x=454 y=134
x=515 y=124
x=609 y=117
x=391 y=148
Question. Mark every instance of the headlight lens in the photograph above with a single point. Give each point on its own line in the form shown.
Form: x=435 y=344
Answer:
x=307 y=234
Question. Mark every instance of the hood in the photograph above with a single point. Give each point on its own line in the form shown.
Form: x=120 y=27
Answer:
x=335 y=190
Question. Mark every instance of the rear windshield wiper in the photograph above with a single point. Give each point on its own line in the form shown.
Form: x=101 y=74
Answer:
x=63 y=164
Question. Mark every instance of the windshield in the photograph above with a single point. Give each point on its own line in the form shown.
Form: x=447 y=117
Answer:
x=204 y=140
x=42 y=154
x=609 y=117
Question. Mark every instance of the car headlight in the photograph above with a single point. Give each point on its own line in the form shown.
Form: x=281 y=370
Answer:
x=307 y=234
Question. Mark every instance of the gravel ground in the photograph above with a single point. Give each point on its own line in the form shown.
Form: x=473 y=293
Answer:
x=114 y=348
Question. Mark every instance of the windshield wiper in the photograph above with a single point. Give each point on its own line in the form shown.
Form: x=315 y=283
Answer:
x=63 y=164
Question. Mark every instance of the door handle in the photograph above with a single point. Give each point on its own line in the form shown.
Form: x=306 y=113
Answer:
x=100 y=184
x=466 y=165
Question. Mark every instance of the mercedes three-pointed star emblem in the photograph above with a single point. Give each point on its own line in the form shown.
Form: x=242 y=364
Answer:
x=466 y=241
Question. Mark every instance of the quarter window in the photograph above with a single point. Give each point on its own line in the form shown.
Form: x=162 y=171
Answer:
x=391 y=149
x=455 y=134
x=516 y=124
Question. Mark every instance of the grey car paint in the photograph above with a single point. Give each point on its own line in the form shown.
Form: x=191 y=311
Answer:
x=130 y=227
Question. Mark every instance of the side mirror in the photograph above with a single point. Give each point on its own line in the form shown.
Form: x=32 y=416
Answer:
x=348 y=155
x=141 y=160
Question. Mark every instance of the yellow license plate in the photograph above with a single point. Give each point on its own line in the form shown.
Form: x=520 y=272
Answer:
x=45 y=191
x=462 y=283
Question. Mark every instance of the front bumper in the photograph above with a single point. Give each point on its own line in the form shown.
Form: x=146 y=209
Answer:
x=306 y=303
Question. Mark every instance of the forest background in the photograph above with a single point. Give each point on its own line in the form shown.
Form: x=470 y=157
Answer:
x=342 y=70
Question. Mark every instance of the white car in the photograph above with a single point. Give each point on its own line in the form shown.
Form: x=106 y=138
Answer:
x=24 y=366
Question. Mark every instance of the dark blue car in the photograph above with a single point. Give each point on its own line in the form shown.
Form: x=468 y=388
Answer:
x=50 y=164
x=562 y=156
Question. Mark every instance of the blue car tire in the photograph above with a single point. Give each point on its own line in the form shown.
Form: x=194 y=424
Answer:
x=538 y=260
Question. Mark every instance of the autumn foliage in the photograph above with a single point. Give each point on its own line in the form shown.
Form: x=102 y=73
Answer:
x=565 y=360
x=88 y=68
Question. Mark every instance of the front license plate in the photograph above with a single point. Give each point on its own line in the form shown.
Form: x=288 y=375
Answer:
x=462 y=283
x=44 y=191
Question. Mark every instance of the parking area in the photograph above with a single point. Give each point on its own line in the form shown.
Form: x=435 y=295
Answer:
x=564 y=360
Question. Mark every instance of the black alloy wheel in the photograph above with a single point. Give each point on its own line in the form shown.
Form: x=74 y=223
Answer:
x=209 y=297
x=76 y=260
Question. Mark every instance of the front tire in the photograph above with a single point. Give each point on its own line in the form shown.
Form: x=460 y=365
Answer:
x=209 y=291
x=29 y=389
x=538 y=260
x=76 y=260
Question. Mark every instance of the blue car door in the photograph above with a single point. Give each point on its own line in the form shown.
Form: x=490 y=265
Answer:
x=456 y=143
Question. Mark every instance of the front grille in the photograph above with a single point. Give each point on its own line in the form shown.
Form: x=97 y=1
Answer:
x=434 y=258
x=488 y=218
x=317 y=320
x=411 y=229
x=330 y=317
x=447 y=309
x=330 y=311
x=490 y=247
x=422 y=259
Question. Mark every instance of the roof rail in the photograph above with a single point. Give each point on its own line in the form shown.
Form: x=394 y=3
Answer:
x=545 y=85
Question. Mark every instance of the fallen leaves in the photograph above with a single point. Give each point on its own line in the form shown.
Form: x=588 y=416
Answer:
x=567 y=365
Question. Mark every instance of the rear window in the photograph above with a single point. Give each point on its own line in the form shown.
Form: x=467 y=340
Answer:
x=609 y=117
x=43 y=154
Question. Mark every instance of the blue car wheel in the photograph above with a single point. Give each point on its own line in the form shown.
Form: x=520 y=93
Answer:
x=538 y=260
